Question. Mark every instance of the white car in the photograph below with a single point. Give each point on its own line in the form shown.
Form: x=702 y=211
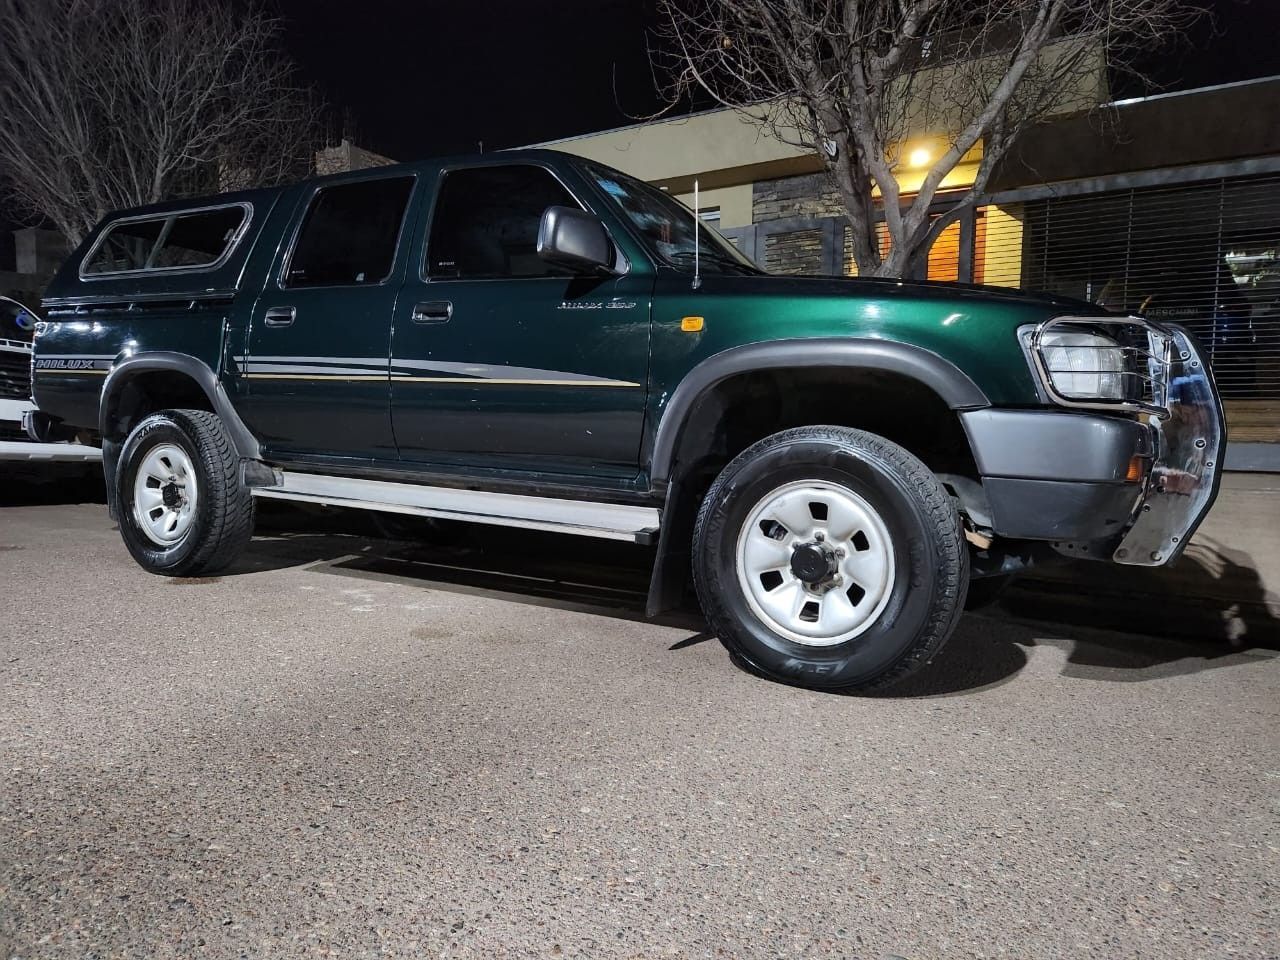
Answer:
x=26 y=440
x=17 y=323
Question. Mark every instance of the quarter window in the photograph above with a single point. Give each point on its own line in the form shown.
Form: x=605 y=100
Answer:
x=349 y=234
x=201 y=238
x=485 y=225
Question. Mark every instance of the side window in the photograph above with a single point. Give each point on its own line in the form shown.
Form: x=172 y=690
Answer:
x=349 y=234
x=485 y=224
x=125 y=247
x=200 y=238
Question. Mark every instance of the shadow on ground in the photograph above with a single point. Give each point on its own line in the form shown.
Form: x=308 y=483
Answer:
x=1125 y=624
x=48 y=484
x=1111 y=637
x=1213 y=594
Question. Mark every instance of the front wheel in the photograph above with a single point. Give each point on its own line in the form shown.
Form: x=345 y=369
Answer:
x=830 y=558
x=184 y=511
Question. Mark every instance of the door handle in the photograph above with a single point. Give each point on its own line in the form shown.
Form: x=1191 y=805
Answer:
x=433 y=311
x=279 y=316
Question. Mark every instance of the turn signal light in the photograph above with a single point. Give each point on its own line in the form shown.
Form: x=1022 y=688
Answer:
x=1137 y=470
x=691 y=324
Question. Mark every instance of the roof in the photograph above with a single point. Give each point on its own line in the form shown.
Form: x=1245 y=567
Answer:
x=410 y=166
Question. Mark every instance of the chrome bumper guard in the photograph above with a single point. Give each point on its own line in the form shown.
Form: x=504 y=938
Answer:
x=1190 y=444
x=1167 y=381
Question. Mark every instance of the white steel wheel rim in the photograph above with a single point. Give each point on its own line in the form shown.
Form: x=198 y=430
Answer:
x=814 y=513
x=165 y=494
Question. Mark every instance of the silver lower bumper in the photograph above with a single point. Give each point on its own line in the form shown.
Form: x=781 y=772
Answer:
x=11 y=411
x=1184 y=477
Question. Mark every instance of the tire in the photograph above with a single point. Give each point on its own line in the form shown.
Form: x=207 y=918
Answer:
x=887 y=529
x=209 y=509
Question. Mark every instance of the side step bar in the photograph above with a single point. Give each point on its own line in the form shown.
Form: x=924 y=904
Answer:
x=610 y=521
x=47 y=452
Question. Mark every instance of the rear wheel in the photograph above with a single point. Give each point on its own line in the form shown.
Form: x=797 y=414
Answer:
x=830 y=558
x=184 y=510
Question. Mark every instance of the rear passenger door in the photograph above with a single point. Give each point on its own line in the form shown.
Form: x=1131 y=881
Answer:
x=318 y=342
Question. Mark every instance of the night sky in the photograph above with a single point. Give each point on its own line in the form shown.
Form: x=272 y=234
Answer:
x=424 y=77
x=416 y=78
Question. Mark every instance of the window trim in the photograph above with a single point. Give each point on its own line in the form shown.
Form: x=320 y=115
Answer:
x=283 y=272
x=622 y=263
x=167 y=220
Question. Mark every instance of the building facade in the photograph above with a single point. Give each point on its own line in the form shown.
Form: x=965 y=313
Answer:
x=37 y=256
x=1168 y=205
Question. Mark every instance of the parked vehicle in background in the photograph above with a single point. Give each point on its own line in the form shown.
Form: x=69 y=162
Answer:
x=536 y=340
x=28 y=451
x=17 y=325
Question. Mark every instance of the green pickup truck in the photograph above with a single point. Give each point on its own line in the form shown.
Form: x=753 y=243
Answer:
x=534 y=340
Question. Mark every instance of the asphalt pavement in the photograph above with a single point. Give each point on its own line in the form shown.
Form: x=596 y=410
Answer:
x=354 y=747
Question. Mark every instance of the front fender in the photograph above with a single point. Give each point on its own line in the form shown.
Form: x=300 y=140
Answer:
x=947 y=380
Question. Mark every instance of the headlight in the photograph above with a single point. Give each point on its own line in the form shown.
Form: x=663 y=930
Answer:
x=1083 y=366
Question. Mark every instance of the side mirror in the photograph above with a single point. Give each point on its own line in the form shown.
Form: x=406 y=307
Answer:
x=576 y=240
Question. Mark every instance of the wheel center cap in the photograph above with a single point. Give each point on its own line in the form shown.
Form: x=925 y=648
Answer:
x=171 y=495
x=813 y=562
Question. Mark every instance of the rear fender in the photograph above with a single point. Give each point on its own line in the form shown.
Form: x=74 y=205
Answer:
x=114 y=426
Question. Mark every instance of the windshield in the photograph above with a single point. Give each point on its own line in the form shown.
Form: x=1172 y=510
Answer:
x=667 y=226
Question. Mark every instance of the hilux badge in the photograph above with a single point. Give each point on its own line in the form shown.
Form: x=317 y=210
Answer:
x=61 y=363
x=596 y=304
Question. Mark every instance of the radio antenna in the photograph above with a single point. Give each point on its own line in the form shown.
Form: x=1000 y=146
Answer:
x=697 y=222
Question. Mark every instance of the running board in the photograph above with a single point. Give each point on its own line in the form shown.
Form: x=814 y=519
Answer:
x=610 y=521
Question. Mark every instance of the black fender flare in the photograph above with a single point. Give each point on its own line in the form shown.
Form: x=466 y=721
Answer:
x=948 y=381
x=939 y=374
x=197 y=370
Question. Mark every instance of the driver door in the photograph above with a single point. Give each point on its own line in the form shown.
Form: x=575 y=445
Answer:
x=501 y=360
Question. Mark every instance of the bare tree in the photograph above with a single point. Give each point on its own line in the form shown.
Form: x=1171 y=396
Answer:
x=107 y=104
x=858 y=81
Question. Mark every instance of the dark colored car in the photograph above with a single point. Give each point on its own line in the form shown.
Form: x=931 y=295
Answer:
x=535 y=340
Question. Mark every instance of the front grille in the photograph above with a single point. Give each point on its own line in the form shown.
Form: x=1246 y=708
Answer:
x=1147 y=354
x=15 y=375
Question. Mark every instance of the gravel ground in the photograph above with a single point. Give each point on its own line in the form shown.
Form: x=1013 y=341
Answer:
x=349 y=747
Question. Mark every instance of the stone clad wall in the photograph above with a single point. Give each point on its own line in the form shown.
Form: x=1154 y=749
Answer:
x=794 y=252
x=346 y=157
x=810 y=195
x=807 y=196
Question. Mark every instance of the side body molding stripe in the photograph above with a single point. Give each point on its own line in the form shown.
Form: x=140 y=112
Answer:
x=941 y=375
